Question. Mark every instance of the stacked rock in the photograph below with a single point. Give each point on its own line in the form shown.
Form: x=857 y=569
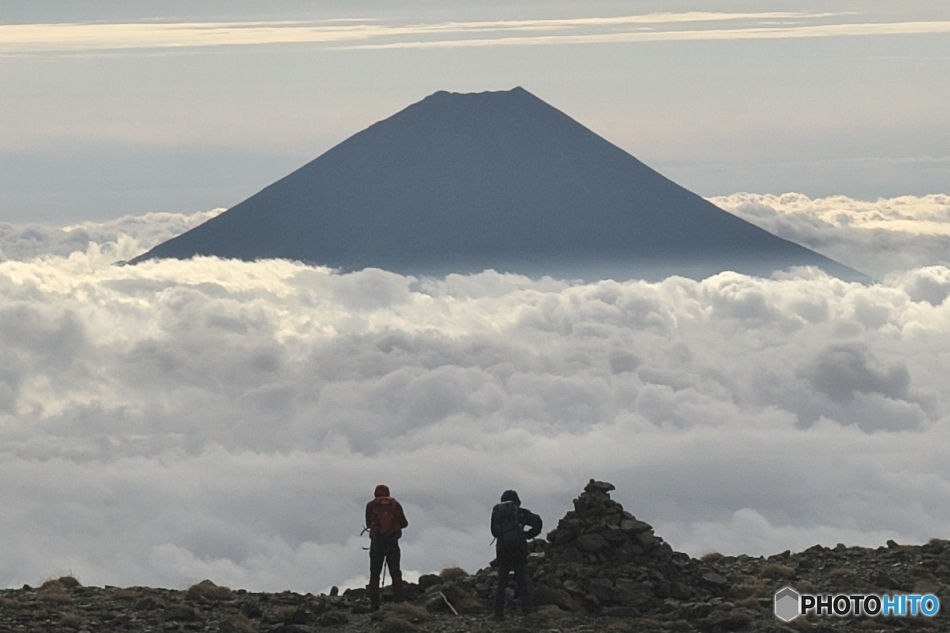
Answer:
x=601 y=557
x=600 y=532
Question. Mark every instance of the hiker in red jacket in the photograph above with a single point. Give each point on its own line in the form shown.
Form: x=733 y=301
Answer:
x=385 y=521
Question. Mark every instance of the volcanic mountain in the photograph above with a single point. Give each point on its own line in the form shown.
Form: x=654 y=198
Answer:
x=500 y=180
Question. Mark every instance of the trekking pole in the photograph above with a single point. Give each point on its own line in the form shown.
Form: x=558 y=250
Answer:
x=383 y=583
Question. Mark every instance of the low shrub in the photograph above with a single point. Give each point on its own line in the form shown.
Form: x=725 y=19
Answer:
x=452 y=573
x=209 y=591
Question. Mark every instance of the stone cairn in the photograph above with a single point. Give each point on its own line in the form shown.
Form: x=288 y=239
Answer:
x=600 y=558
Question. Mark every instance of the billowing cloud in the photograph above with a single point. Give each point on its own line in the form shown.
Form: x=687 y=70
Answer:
x=114 y=240
x=172 y=421
x=877 y=237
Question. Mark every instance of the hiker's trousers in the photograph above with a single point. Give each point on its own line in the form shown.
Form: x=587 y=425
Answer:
x=384 y=549
x=512 y=558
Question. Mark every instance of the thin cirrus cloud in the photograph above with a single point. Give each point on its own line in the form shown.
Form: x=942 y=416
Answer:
x=180 y=420
x=368 y=34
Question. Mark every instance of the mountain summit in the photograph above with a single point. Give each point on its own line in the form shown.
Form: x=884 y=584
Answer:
x=502 y=180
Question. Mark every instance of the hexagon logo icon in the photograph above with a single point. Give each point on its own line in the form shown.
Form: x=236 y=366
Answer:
x=786 y=604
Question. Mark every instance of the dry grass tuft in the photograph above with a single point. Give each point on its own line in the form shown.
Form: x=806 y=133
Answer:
x=407 y=611
x=238 y=623
x=63 y=582
x=452 y=573
x=70 y=621
x=750 y=587
x=469 y=605
x=8 y=603
x=710 y=557
x=776 y=571
x=805 y=587
x=394 y=624
x=840 y=572
x=124 y=594
x=54 y=597
x=53 y=592
x=209 y=591
x=69 y=581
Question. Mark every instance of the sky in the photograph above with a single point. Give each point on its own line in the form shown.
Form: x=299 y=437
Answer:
x=113 y=108
x=174 y=421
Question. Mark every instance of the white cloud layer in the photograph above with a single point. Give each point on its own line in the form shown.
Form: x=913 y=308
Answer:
x=173 y=421
x=115 y=240
x=879 y=237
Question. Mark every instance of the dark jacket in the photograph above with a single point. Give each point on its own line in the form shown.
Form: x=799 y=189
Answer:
x=529 y=521
x=381 y=496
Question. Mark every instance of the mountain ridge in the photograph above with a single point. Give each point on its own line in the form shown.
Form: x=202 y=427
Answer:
x=462 y=182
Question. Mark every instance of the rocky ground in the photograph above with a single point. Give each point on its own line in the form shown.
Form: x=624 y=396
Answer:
x=601 y=569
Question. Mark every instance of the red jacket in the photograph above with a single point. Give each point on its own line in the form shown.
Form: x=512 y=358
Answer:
x=381 y=495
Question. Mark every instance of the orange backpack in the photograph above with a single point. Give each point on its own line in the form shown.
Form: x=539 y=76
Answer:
x=383 y=517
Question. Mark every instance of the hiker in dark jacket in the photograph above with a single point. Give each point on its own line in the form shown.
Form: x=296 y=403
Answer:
x=512 y=526
x=385 y=521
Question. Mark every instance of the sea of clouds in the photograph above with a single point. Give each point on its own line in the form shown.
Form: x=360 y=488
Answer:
x=174 y=421
x=877 y=238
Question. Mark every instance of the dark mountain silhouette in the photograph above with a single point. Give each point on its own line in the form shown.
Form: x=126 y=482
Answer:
x=502 y=180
